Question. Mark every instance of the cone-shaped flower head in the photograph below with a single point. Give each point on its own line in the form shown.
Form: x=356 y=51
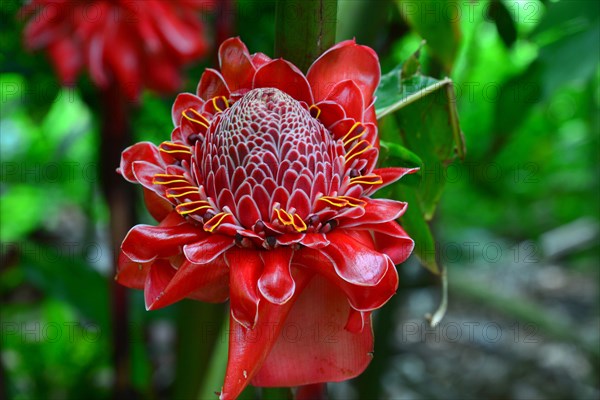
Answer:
x=263 y=197
x=131 y=43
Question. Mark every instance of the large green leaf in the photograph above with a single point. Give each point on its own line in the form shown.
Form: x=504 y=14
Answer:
x=421 y=129
x=438 y=22
x=569 y=43
x=415 y=225
x=63 y=272
x=395 y=154
x=426 y=124
x=502 y=17
x=396 y=90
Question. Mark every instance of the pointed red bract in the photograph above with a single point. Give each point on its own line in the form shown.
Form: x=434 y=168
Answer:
x=131 y=273
x=212 y=85
x=313 y=345
x=276 y=283
x=348 y=95
x=245 y=268
x=158 y=278
x=208 y=281
x=346 y=60
x=248 y=348
x=365 y=266
x=284 y=76
x=236 y=64
x=145 y=243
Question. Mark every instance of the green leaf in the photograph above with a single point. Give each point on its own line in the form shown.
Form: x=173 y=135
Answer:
x=198 y=326
x=505 y=24
x=351 y=20
x=421 y=130
x=412 y=66
x=566 y=17
x=398 y=155
x=26 y=199
x=212 y=382
x=79 y=284
x=438 y=22
x=418 y=229
x=426 y=123
x=567 y=57
x=394 y=92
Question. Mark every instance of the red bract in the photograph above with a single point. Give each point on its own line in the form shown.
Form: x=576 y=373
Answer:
x=132 y=43
x=263 y=197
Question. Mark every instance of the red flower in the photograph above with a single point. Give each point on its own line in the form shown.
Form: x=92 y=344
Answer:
x=131 y=43
x=263 y=196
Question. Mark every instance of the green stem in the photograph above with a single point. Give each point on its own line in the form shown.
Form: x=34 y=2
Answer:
x=304 y=30
x=198 y=326
x=212 y=381
x=351 y=17
x=278 y=393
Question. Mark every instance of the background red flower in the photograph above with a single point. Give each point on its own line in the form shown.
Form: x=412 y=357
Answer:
x=132 y=43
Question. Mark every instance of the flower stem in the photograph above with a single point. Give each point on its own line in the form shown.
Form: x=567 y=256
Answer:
x=212 y=381
x=277 y=393
x=198 y=326
x=115 y=136
x=304 y=30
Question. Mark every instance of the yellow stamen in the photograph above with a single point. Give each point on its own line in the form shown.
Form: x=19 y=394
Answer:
x=317 y=108
x=353 y=201
x=201 y=119
x=215 y=221
x=346 y=138
x=334 y=201
x=355 y=152
x=214 y=101
x=343 y=201
x=174 y=193
x=166 y=179
x=298 y=223
x=367 y=180
x=287 y=219
x=182 y=208
x=170 y=147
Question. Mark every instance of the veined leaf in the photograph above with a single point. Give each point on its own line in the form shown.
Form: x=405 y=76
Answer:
x=426 y=125
x=420 y=129
x=398 y=155
x=438 y=22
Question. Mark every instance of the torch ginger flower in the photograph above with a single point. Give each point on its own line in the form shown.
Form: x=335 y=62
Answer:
x=263 y=197
x=126 y=42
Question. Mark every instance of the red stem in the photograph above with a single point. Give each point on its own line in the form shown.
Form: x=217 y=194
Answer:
x=115 y=136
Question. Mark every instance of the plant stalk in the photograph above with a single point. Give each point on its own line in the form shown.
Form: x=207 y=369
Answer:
x=115 y=136
x=304 y=30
